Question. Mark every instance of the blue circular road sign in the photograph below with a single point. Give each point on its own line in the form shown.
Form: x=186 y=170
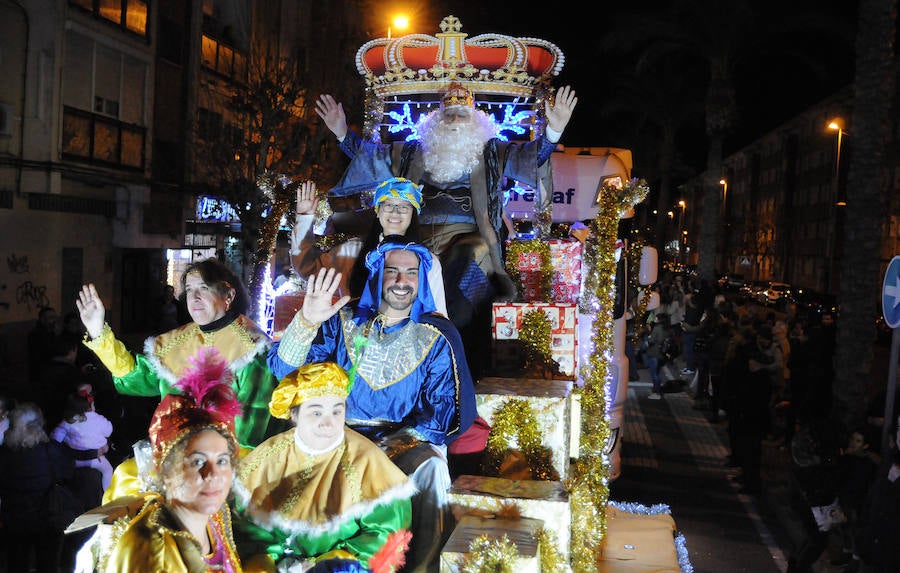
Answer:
x=890 y=293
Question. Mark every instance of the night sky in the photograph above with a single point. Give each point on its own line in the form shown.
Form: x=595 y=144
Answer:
x=775 y=81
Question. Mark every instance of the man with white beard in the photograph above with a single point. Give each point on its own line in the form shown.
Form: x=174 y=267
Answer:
x=463 y=168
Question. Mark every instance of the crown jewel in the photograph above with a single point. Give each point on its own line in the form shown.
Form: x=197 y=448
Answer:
x=458 y=95
x=491 y=64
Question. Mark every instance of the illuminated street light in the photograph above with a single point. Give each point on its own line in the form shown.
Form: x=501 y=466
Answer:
x=681 y=231
x=724 y=183
x=837 y=124
x=400 y=22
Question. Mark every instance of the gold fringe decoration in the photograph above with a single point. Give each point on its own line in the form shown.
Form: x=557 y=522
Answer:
x=551 y=558
x=488 y=555
x=515 y=249
x=589 y=485
x=515 y=418
x=535 y=337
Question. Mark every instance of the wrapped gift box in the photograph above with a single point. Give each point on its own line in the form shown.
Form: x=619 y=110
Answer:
x=638 y=542
x=547 y=501
x=521 y=532
x=507 y=321
x=565 y=283
x=549 y=400
x=565 y=256
x=528 y=264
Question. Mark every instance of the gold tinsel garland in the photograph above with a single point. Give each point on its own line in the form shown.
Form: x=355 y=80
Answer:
x=515 y=418
x=487 y=555
x=551 y=558
x=516 y=249
x=535 y=337
x=589 y=485
x=374 y=114
x=327 y=242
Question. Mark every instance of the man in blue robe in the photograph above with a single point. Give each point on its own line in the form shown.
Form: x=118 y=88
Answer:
x=412 y=392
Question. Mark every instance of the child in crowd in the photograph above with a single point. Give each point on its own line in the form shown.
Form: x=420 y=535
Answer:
x=86 y=432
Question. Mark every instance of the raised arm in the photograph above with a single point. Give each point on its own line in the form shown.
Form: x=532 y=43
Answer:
x=317 y=304
x=91 y=309
x=332 y=113
x=559 y=114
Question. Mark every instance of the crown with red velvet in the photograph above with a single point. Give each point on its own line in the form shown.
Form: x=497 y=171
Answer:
x=490 y=64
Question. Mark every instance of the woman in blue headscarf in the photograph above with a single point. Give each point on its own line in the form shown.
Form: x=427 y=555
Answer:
x=315 y=244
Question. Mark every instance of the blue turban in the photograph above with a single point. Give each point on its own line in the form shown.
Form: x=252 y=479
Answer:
x=370 y=300
x=399 y=188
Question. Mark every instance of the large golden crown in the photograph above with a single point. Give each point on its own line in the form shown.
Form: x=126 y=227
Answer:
x=489 y=64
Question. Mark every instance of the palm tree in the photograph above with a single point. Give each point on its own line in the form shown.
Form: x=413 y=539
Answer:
x=867 y=188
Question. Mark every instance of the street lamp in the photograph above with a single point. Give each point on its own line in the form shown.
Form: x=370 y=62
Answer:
x=834 y=125
x=724 y=183
x=398 y=21
x=681 y=232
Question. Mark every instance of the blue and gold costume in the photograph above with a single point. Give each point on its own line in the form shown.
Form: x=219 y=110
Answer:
x=413 y=393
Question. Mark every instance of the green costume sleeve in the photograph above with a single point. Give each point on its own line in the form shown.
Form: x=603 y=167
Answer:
x=253 y=385
x=142 y=380
x=375 y=528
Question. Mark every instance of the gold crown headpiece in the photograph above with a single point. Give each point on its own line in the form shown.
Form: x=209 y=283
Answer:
x=490 y=64
x=457 y=95
x=309 y=381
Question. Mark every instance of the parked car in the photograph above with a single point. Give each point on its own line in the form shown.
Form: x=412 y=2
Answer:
x=731 y=281
x=752 y=289
x=776 y=293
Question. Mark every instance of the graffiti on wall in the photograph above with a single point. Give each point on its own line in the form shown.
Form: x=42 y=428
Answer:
x=34 y=296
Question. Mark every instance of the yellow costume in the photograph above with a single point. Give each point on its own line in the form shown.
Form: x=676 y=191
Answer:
x=146 y=539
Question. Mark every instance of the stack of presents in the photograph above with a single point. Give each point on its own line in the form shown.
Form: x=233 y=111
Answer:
x=513 y=502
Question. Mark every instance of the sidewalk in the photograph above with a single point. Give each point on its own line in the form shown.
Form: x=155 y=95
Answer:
x=650 y=450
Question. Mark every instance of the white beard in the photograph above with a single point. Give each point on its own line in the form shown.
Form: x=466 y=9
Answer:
x=449 y=154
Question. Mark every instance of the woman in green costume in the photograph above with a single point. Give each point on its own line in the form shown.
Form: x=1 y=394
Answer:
x=216 y=302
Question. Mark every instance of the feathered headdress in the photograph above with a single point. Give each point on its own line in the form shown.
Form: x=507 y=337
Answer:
x=208 y=402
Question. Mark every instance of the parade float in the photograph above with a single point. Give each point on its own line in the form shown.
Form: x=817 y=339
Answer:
x=556 y=390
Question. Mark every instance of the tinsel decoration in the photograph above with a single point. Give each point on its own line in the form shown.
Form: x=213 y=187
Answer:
x=589 y=485
x=487 y=555
x=517 y=249
x=543 y=218
x=515 y=418
x=280 y=192
x=323 y=207
x=548 y=548
x=560 y=230
x=327 y=242
x=535 y=337
x=374 y=114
